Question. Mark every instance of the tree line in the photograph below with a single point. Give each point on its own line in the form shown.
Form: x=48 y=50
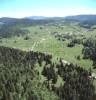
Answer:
x=89 y=50
x=7 y=31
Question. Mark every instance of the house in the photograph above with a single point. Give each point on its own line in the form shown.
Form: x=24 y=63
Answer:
x=65 y=62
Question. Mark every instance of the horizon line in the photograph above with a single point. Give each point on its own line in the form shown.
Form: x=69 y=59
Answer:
x=42 y=16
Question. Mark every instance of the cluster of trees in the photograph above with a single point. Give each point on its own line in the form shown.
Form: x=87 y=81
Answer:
x=71 y=44
x=50 y=73
x=26 y=37
x=75 y=41
x=72 y=37
x=15 y=57
x=9 y=31
x=89 y=50
x=61 y=36
x=77 y=84
x=18 y=78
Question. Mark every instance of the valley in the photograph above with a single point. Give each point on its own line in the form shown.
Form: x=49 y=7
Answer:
x=47 y=57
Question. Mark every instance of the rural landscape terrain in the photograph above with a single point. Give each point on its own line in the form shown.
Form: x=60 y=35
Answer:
x=48 y=58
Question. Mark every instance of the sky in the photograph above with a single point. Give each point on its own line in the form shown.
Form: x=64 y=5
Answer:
x=50 y=8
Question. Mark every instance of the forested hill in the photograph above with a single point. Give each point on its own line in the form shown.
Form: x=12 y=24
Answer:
x=26 y=21
x=83 y=19
x=19 y=79
x=8 y=20
x=7 y=31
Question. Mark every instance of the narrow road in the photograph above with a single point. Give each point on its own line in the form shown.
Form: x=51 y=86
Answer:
x=36 y=43
x=33 y=46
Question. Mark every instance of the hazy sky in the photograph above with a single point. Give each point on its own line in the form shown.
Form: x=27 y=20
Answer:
x=22 y=8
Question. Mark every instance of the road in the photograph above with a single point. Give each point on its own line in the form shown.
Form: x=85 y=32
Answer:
x=37 y=43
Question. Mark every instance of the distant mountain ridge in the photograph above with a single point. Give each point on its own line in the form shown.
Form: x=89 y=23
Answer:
x=7 y=19
x=36 y=17
x=83 y=19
